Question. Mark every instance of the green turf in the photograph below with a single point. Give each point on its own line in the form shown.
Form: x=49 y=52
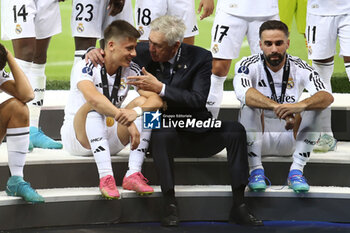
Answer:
x=61 y=50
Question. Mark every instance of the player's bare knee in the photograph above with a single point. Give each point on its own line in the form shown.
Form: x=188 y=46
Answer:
x=221 y=67
x=19 y=111
x=82 y=43
x=24 y=49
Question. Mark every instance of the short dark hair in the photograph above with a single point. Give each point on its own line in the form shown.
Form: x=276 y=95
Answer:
x=274 y=25
x=3 y=57
x=120 y=29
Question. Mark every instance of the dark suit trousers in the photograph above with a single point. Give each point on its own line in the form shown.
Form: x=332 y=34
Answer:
x=169 y=143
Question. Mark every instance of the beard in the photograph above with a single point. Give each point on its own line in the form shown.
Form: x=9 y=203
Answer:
x=275 y=62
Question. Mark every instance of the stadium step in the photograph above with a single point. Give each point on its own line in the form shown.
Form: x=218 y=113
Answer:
x=59 y=169
x=83 y=206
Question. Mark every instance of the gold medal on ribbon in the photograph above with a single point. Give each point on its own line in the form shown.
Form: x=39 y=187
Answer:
x=109 y=121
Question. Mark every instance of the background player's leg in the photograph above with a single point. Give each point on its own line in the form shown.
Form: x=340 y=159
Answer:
x=327 y=141
x=37 y=79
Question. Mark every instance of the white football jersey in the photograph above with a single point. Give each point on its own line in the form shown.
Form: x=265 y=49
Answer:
x=83 y=71
x=328 y=7
x=249 y=8
x=250 y=72
x=4 y=77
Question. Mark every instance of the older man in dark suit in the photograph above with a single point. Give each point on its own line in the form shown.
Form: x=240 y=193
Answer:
x=180 y=74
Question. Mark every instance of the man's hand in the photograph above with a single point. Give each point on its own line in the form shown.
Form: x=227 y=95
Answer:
x=96 y=56
x=126 y=116
x=134 y=136
x=207 y=6
x=290 y=121
x=284 y=110
x=146 y=82
x=115 y=7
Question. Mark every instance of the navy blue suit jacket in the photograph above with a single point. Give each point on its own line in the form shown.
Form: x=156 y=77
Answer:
x=187 y=91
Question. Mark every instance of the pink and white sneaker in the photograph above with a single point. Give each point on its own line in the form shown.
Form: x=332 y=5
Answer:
x=108 y=188
x=138 y=183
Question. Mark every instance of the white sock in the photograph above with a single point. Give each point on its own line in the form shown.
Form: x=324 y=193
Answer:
x=325 y=71
x=347 y=69
x=78 y=54
x=252 y=123
x=38 y=82
x=215 y=94
x=17 y=147
x=96 y=131
x=308 y=134
x=137 y=156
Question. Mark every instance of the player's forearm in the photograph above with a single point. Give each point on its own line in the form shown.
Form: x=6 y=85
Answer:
x=152 y=103
x=23 y=89
x=103 y=106
x=320 y=100
x=254 y=98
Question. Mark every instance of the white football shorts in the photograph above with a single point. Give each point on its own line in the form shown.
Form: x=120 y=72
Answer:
x=29 y=18
x=148 y=10
x=90 y=17
x=322 y=33
x=73 y=146
x=228 y=32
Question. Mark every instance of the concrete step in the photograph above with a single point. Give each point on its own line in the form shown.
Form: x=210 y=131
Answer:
x=59 y=169
x=82 y=206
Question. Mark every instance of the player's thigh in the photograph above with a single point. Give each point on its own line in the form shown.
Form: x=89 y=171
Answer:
x=126 y=14
x=47 y=19
x=18 y=19
x=227 y=35
x=114 y=142
x=70 y=141
x=321 y=35
x=253 y=31
x=185 y=10
x=87 y=18
x=278 y=143
x=147 y=11
x=344 y=34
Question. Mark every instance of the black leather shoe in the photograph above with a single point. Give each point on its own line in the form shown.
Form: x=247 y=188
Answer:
x=240 y=215
x=170 y=217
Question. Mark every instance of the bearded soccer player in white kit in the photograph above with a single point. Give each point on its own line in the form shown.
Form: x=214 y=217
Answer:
x=325 y=22
x=94 y=121
x=234 y=20
x=30 y=25
x=269 y=86
x=146 y=11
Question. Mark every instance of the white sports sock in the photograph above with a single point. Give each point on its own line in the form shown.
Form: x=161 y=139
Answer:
x=38 y=82
x=347 y=69
x=308 y=134
x=137 y=156
x=215 y=94
x=78 y=54
x=252 y=123
x=17 y=147
x=325 y=71
x=96 y=131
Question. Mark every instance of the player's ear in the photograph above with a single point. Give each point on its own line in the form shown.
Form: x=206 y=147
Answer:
x=288 y=42
x=260 y=44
